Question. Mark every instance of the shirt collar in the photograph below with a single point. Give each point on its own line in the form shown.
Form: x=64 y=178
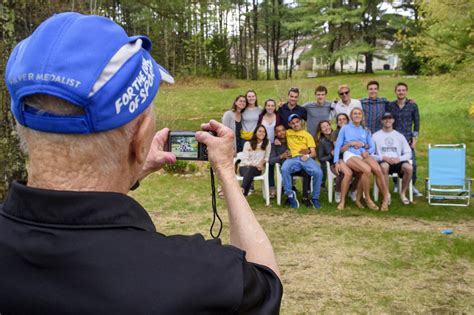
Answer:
x=72 y=209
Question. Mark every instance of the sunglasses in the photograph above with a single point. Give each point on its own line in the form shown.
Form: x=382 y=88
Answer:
x=344 y=93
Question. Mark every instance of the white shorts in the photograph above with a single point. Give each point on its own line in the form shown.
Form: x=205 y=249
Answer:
x=347 y=155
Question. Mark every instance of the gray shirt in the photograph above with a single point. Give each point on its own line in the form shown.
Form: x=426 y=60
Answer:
x=316 y=113
x=250 y=118
x=391 y=144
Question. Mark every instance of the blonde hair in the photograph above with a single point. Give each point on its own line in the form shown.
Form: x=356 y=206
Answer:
x=343 y=86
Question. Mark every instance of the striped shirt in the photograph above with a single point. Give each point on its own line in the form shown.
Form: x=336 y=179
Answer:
x=373 y=112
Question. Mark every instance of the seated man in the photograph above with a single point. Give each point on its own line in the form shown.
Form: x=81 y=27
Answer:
x=280 y=154
x=393 y=153
x=71 y=240
x=298 y=140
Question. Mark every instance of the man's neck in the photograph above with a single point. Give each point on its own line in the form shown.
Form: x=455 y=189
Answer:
x=291 y=106
x=401 y=102
x=320 y=103
x=347 y=103
x=385 y=129
x=78 y=178
x=282 y=141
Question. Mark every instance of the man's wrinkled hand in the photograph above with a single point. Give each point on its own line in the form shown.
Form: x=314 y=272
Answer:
x=157 y=157
x=220 y=148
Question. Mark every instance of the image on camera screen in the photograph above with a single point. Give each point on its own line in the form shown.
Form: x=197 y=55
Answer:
x=184 y=146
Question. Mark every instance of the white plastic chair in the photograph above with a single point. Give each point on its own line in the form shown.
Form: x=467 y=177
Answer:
x=395 y=175
x=331 y=178
x=279 y=182
x=263 y=178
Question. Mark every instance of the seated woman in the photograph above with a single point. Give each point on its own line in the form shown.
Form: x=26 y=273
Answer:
x=254 y=156
x=326 y=154
x=341 y=120
x=358 y=159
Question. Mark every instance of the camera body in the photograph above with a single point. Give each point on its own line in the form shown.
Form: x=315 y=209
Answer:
x=185 y=146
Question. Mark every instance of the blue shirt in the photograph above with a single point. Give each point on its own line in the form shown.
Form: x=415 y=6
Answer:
x=407 y=118
x=350 y=133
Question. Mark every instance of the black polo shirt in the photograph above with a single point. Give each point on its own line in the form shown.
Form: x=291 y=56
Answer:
x=99 y=253
x=285 y=112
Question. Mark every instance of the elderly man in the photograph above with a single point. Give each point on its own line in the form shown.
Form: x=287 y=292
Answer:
x=346 y=104
x=71 y=240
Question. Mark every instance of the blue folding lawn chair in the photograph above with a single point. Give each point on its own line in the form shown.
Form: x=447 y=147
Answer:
x=447 y=180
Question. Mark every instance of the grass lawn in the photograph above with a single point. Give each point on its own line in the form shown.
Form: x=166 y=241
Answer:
x=356 y=261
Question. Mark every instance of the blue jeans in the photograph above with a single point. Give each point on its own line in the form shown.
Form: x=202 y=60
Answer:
x=294 y=165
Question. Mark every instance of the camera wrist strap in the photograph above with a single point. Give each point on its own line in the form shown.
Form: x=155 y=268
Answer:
x=214 y=208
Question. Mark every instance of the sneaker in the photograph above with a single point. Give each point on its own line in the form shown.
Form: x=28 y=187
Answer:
x=337 y=196
x=416 y=193
x=316 y=204
x=395 y=189
x=293 y=200
x=307 y=203
x=353 y=195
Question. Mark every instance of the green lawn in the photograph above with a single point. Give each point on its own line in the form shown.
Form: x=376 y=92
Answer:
x=356 y=261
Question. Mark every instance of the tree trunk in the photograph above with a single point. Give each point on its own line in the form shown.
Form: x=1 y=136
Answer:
x=267 y=40
x=293 y=50
x=368 y=62
x=276 y=34
x=255 y=40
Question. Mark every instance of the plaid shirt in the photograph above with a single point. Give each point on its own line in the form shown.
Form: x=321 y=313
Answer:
x=373 y=112
x=407 y=118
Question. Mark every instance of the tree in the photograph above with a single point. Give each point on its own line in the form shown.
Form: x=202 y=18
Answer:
x=445 y=39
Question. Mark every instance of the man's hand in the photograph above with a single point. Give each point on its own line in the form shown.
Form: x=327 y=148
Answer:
x=395 y=160
x=304 y=151
x=413 y=143
x=220 y=148
x=337 y=168
x=387 y=159
x=365 y=155
x=285 y=155
x=304 y=157
x=157 y=157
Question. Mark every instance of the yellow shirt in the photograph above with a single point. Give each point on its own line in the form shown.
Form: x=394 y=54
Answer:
x=299 y=140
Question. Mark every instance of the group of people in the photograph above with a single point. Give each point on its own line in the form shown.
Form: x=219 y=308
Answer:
x=371 y=136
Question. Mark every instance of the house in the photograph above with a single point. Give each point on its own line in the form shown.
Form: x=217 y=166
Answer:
x=383 y=59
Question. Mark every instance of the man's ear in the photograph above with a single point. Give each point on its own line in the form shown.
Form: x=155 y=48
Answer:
x=142 y=138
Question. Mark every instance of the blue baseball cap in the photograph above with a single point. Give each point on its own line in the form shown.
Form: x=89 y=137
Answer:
x=90 y=62
x=293 y=116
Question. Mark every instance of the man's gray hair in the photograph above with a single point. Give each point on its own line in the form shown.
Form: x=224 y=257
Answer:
x=102 y=147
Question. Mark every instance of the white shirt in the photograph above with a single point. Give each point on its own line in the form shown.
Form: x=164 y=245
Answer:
x=346 y=109
x=253 y=157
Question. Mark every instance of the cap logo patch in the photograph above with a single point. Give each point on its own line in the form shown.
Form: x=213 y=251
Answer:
x=138 y=92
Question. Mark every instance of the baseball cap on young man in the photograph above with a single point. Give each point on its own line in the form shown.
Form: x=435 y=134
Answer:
x=293 y=116
x=90 y=62
x=387 y=115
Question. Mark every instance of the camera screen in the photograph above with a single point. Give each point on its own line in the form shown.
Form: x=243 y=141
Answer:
x=184 y=146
